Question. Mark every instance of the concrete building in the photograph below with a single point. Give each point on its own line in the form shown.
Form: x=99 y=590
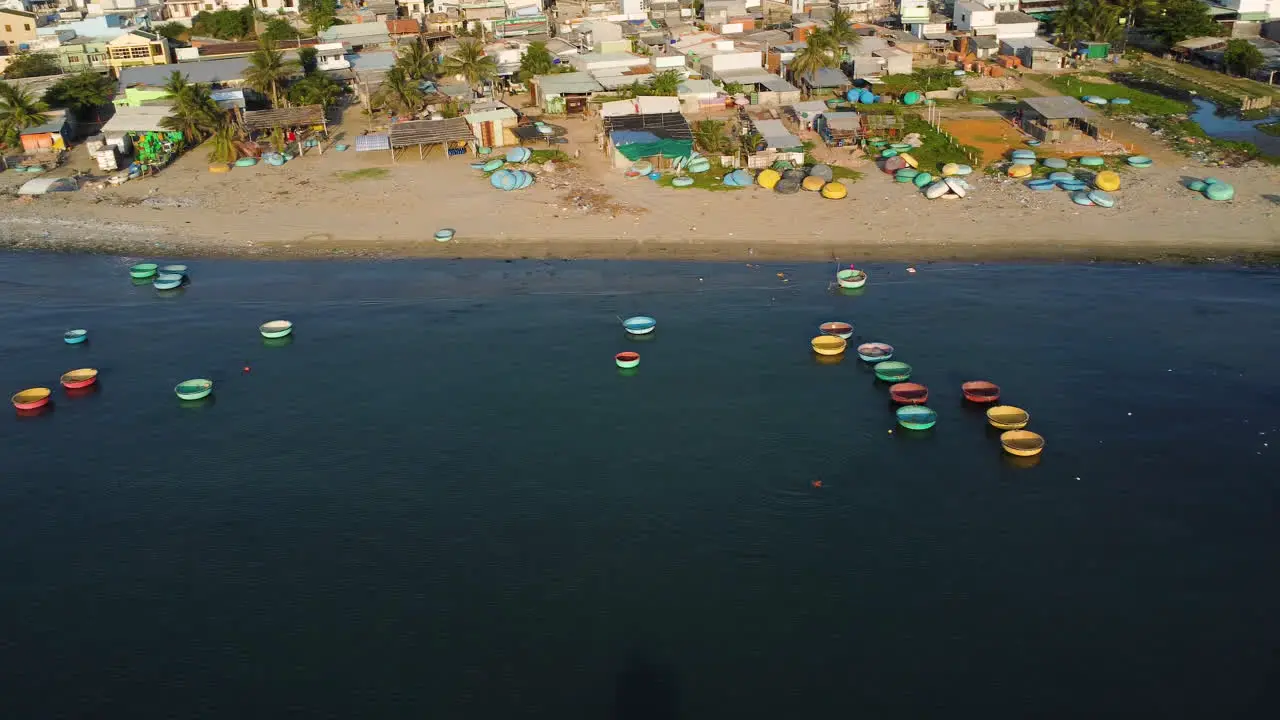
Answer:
x=1034 y=52
x=972 y=16
x=83 y=54
x=913 y=11
x=139 y=47
x=712 y=55
x=17 y=30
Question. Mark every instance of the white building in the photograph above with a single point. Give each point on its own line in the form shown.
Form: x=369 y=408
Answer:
x=972 y=16
x=1253 y=10
x=913 y=11
x=1000 y=5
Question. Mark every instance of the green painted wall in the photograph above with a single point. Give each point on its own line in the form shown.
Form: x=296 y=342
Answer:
x=136 y=96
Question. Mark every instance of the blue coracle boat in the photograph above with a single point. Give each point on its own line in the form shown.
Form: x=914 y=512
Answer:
x=167 y=281
x=916 y=417
x=75 y=337
x=639 y=325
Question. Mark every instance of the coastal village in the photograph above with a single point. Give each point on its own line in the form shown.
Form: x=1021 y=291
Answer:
x=519 y=127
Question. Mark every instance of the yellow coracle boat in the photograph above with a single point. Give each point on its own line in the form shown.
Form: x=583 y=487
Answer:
x=828 y=345
x=1022 y=443
x=834 y=191
x=1008 y=417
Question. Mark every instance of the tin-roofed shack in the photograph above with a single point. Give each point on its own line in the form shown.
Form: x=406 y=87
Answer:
x=838 y=129
x=1055 y=119
x=564 y=93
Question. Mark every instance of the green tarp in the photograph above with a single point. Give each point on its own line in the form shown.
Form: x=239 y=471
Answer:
x=666 y=148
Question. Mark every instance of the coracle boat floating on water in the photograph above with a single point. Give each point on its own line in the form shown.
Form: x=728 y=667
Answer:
x=639 y=325
x=31 y=398
x=1022 y=443
x=893 y=371
x=84 y=377
x=627 y=359
x=174 y=270
x=143 y=270
x=194 y=389
x=980 y=391
x=1008 y=417
x=75 y=337
x=167 y=281
x=916 y=417
x=850 y=278
x=909 y=393
x=275 y=328
x=874 y=352
x=840 y=329
x=828 y=345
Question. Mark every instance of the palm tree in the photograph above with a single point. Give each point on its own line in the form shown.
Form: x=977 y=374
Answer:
x=19 y=110
x=470 y=62
x=176 y=84
x=818 y=53
x=268 y=70
x=840 y=30
x=709 y=135
x=222 y=143
x=399 y=93
x=1131 y=9
x=666 y=83
x=194 y=114
x=1104 y=23
x=418 y=61
x=1072 y=21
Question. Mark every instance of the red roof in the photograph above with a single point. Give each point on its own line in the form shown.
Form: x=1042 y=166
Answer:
x=403 y=26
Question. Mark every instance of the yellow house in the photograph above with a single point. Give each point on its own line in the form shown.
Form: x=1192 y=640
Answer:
x=17 y=28
x=140 y=47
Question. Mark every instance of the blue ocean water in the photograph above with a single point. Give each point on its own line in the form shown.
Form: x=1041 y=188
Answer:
x=442 y=499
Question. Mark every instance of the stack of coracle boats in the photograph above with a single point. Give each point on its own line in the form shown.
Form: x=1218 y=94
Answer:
x=83 y=381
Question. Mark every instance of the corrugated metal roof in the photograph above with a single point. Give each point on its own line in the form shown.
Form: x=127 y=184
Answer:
x=697 y=87
x=136 y=119
x=826 y=78
x=358 y=32
x=1059 y=107
x=776 y=134
x=575 y=82
x=667 y=125
x=202 y=71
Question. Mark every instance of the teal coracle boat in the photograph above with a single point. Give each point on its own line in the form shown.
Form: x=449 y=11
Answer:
x=167 y=281
x=174 y=270
x=444 y=235
x=639 y=325
x=916 y=417
x=143 y=270
x=275 y=328
x=893 y=371
x=194 y=389
x=75 y=337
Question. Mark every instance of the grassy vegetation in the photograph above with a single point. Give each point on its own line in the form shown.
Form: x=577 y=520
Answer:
x=1204 y=81
x=1186 y=136
x=845 y=175
x=373 y=173
x=1141 y=102
x=1270 y=128
x=541 y=156
x=710 y=180
x=936 y=149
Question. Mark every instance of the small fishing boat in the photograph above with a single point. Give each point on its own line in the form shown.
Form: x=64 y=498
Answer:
x=1022 y=443
x=909 y=393
x=828 y=345
x=75 y=337
x=980 y=391
x=874 y=352
x=31 y=398
x=893 y=371
x=143 y=270
x=194 y=389
x=1008 y=417
x=840 y=329
x=174 y=270
x=916 y=417
x=444 y=235
x=627 y=359
x=639 y=325
x=275 y=328
x=850 y=278
x=84 y=377
x=167 y=282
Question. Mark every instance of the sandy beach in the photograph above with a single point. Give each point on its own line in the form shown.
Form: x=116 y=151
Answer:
x=307 y=208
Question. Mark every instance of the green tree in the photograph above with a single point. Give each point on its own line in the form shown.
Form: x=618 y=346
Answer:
x=315 y=89
x=1072 y=21
x=29 y=64
x=666 y=83
x=319 y=14
x=709 y=135
x=278 y=29
x=537 y=60
x=399 y=93
x=222 y=140
x=1242 y=58
x=268 y=70
x=819 y=52
x=1182 y=19
x=307 y=59
x=173 y=30
x=471 y=64
x=19 y=110
x=840 y=31
x=81 y=93
x=194 y=113
x=418 y=61
x=1103 y=22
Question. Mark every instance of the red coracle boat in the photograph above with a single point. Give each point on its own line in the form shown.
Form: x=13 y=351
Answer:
x=82 y=378
x=980 y=391
x=31 y=398
x=909 y=393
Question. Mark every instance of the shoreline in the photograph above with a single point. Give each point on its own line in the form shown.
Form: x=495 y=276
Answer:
x=144 y=241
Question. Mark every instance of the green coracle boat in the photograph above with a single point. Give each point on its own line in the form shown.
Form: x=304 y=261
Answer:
x=194 y=389
x=143 y=270
x=893 y=371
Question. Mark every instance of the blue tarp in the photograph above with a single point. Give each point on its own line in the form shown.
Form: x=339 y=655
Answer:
x=631 y=137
